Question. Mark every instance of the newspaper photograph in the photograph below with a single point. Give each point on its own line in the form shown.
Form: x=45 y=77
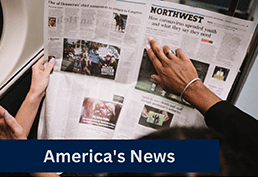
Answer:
x=120 y=22
x=100 y=113
x=155 y=118
x=90 y=58
x=146 y=83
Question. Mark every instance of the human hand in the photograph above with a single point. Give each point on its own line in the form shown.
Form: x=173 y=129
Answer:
x=9 y=128
x=174 y=71
x=40 y=77
x=166 y=118
x=145 y=113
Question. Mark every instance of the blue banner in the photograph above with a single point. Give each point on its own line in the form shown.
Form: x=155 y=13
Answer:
x=109 y=156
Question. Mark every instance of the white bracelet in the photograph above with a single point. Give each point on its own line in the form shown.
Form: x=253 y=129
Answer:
x=182 y=94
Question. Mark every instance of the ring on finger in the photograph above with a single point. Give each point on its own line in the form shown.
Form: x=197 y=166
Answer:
x=169 y=52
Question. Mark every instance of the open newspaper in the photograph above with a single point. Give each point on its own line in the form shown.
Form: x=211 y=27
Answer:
x=101 y=86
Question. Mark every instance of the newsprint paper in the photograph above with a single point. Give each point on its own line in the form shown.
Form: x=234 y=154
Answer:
x=101 y=86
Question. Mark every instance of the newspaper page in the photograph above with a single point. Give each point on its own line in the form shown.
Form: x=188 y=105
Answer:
x=94 y=43
x=90 y=37
x=216 y=44
x=101 y=85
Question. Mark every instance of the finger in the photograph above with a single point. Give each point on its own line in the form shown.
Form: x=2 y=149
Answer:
x=156 y=78
x=180 y=54
x=50 y=66
x=12 y=123
x=157 y=50
x=39 y=64
x=156 y=62
x=161 y=83
x=42 y=60
x=166 y=118
x=2 y=111
x=166 y=49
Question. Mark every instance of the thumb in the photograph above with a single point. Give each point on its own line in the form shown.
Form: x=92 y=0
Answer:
x=50 y=66
x=156 y=78
x=12 y=123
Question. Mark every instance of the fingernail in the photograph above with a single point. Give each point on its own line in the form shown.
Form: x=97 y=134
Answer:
x=148 y=46
x=52 y=60
x=150 y=38
x=7 y=115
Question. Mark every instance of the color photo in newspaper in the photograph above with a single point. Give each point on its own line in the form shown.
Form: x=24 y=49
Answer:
x=149 y=85
x=100 y=113
x=90 y=58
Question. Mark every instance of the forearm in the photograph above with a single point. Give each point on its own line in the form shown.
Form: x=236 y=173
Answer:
x=201 y=97
x=27 y=112
x=237 y=128
x=225 y=117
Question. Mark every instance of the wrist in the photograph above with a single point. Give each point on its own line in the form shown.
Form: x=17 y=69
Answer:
x=195 y=88
x=34 y=97
x=200 y=96
x=22 y=138
x=186 y=87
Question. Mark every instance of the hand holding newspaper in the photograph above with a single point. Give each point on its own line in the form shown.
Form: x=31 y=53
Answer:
x=101 y=86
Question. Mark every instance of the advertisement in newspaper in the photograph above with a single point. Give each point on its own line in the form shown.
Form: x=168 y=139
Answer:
x=101 y=86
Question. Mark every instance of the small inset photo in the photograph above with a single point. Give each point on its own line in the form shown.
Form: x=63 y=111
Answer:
x=52 y=21
x=220 y=73
x=155 y=118
x=120 y=22
x=118 y=98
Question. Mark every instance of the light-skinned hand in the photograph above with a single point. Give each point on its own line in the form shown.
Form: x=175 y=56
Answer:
x=40 y=77
x=9 y=128
x=39 y=82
